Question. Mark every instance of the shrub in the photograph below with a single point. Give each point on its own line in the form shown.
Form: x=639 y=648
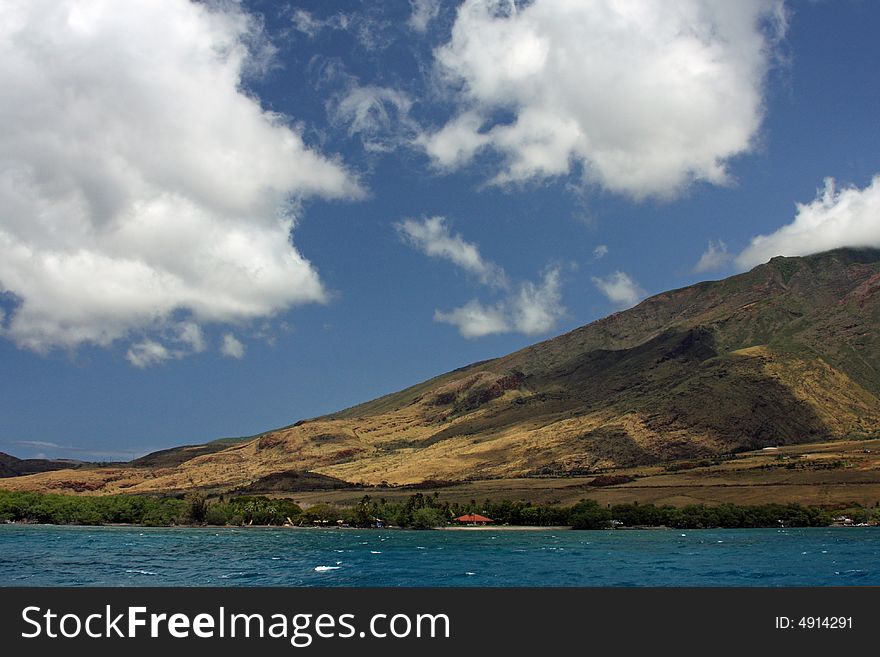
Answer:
x=217 y=514
x=427 y=518
x=322 y=513
x=587 y=514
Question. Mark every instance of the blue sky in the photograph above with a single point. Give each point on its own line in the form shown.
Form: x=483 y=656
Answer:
x=219 y=219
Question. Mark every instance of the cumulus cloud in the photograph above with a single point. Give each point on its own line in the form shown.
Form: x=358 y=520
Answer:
x=148 y=353
x=600 y=252
x=527 y=307
x=714 y=257
x=191 y=335
x=178 y=340
x=456 y=142
x=139 y=184
x=537 y=307
x=474 y=320
x=620 y=288
x=644 y=97
x=848 y=217
x=232 y=347
x=423 y=12
x=533 y=309
x=432 y=237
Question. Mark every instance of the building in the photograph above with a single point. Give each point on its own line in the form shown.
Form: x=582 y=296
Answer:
x=473 y=519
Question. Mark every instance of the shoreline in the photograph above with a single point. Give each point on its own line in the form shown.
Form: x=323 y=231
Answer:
x=489 y=528
x=504 y=528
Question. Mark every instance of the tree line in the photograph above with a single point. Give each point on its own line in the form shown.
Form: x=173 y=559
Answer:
x=418 y=511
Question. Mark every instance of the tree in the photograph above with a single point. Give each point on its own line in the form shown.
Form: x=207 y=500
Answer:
x=196 y=507
x=587 y=514
x=427 y=518
x=364 y=512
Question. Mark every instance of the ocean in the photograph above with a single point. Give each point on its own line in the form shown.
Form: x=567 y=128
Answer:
x=45 y=555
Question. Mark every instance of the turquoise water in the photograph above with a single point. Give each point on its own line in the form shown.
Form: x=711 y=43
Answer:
x=40 y=555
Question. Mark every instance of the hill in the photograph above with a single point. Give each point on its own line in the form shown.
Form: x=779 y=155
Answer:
x=173 y=456
x=785 y=354
x=11 y=466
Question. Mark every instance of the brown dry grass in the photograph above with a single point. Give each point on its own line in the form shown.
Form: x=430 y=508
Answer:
x=780 y=355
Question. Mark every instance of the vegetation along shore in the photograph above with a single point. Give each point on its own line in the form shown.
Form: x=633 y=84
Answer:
x=418 y=511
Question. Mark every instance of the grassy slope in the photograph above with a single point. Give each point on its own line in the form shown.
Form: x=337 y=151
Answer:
x=786 y=353
x=174 y=456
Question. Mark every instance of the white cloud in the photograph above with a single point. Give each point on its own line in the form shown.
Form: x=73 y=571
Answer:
x=79 y=452
x=232 y=347
x=645 y=96
x=191 y=335
x=370 y=33
x=303 y=21
x=474 y=320
x=456 y=142
x=848 y=217
x=138 y=182
x=533 y=309
x=187 y=338
x=423 y=12
x=537 y=307
x=600 y=252
x=35 y=443
x=529 y=308
x=431 y=236
x=379 y=115
x=621 y=290
x=714 y=257
x=148 y=353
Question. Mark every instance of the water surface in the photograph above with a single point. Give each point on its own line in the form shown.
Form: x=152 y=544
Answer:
x=44 y=555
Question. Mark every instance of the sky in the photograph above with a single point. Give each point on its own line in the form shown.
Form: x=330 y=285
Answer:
x=219 y=218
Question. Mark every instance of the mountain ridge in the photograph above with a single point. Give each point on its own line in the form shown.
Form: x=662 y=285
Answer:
x=786 y=353
x=11 y=466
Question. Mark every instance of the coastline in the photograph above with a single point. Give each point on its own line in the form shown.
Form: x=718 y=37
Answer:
x=504 y=528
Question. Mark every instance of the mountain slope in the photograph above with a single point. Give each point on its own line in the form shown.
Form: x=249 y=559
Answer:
x=11 y=466
x=165 y=458
x=786 y=353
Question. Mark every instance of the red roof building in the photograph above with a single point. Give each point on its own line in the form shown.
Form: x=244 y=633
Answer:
x=474 y=519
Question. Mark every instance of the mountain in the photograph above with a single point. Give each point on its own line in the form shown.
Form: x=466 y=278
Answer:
x=786 y=353
x=15 y=467
x=176 y=455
